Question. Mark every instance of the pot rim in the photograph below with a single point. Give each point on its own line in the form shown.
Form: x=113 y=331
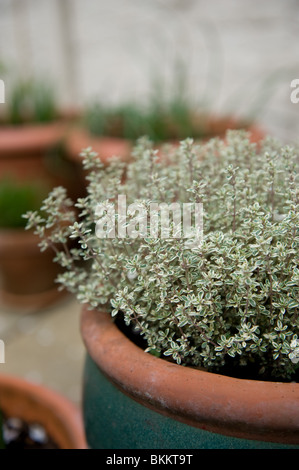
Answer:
x=248 y=409
x=79 y=138
x=33 y=137
x=17 y=239
x=106 y=146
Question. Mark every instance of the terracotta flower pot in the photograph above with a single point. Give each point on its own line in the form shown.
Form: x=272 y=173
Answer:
x=23 y=149
x=35 y=403
x=135 y=400
x=108 y=147
x=27 y=275
x=217 y=126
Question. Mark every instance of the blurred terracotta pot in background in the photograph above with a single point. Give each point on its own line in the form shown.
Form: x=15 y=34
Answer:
x=37 y=404
x=27 y=275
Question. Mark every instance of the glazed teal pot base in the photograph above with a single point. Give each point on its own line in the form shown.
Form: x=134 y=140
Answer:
x=115 y=421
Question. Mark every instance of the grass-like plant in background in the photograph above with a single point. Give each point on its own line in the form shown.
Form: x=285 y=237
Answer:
x=159 y=122
x=167 y=114
x=16 y=198
x=231 y=303
x=30 y=101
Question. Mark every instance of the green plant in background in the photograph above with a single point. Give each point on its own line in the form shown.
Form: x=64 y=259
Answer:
x=158 y=121
x=31 y=101
x=229 y=304
x=16 y=199
x=122 y=121
x=168 y=114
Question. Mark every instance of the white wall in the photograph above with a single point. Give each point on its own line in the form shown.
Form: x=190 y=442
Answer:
x=238 y=52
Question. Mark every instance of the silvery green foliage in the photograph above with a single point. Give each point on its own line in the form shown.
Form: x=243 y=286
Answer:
x=234 y=298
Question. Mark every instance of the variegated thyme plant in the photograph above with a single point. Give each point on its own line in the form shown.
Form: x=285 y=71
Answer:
x=227 y=303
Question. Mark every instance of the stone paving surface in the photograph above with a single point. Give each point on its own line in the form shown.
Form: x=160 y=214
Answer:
x=240 y=56
x=45 y=347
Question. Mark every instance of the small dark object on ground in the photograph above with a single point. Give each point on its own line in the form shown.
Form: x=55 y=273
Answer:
x=17 y=434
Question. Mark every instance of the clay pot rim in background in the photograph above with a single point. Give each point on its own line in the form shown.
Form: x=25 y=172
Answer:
x=30 y=137
x=79 y=138
x=248 y=409
x=37 y=403
x=18 y=239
